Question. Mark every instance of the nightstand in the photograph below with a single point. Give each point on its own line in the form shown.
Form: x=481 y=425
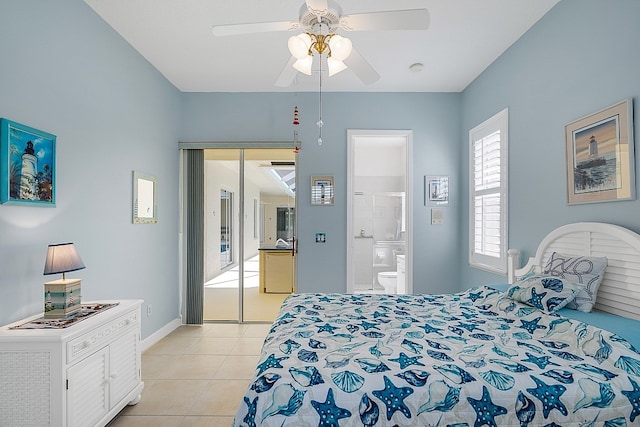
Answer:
x=79 y=375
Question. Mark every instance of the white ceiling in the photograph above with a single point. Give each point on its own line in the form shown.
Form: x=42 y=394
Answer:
x=463 y=38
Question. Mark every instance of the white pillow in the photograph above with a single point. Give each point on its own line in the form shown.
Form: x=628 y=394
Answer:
x=585 y=272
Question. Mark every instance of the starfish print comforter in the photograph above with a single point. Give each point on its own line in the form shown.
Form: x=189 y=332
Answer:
x=476 y=358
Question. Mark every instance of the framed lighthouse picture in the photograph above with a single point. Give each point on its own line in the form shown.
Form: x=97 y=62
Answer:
x=27 y=165
x=600 y=156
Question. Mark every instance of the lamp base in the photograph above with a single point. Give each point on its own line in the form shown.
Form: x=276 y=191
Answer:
x=61 y=298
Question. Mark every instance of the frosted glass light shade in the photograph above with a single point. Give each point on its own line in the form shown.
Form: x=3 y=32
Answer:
x=335 y=66
x=304 y=64
x=299 y=45
x=340 y=47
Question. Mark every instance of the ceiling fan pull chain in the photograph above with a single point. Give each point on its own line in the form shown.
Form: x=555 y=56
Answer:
x=320 y=122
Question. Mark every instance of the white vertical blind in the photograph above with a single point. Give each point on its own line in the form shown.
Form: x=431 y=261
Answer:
x=488 y=194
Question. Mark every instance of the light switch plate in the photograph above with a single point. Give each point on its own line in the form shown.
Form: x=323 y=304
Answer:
x=437 y=217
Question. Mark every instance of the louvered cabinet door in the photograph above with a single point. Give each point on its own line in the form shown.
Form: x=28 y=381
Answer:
x=88 y=390
x=81 y=374
x=124 y=365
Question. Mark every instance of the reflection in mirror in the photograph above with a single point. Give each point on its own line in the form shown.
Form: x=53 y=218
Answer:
x=145 y=202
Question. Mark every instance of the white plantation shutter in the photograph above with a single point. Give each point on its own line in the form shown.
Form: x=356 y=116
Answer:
x=488 y=188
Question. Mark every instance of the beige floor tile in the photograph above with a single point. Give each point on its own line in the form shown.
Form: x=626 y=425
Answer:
x=220 y=397
x=196 y=366
x=224 y=329
x=155 y=366
x=148 y=421
x=167 y=397
x=171 y=345
x=196 y=376
x=210 y=345
x=248 y=346
x=207 y=421
x=238 y=367
x=192 y=331
x=257 y=330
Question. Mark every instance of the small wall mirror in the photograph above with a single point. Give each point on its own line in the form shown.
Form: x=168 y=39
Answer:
x=145 y=201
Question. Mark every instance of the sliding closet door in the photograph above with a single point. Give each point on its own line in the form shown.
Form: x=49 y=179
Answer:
x=222 y=228
x=249 y=205
x=269 y=217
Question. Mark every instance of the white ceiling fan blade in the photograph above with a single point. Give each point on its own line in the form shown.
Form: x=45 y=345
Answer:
x=288 y=74
x=361 y=68
x=256 y=27
x=411 y=19
x=318 y=7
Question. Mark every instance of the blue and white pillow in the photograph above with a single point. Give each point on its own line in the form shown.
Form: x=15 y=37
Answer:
x=546 y=293
x=585 y=272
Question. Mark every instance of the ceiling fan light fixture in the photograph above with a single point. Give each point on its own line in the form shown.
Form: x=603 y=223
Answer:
x=335 y=66
x=304 y=65
x=340 y=47
x=299 y=45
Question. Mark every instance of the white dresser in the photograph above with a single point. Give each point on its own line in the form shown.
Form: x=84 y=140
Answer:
x=81 y=375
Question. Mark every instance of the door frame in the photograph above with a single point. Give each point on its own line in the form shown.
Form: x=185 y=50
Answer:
x=352 y=135
x=185 y=303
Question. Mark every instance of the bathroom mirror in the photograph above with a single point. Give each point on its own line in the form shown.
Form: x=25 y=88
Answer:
x=145 y=201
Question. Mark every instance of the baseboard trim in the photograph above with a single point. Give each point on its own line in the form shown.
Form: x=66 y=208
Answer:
x=160 y=333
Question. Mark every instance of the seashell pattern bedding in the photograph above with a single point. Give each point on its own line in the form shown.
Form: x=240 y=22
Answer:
x=474 y=358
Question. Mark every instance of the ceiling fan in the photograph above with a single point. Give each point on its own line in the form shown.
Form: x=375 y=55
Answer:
x=320 y=20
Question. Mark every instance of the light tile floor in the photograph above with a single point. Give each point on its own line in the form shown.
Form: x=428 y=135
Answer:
x=196 y=376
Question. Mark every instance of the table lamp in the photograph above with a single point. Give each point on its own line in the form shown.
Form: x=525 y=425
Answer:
x=62 y=297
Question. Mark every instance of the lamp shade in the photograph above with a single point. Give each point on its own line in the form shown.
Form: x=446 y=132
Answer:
x=299 y=45
x=335 y=66
x=340 y=47
x=62 y=258
x=304 y=65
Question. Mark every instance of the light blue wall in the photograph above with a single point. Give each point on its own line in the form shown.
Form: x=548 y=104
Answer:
x=64 y=71
x=584 y=55
x=434 y=119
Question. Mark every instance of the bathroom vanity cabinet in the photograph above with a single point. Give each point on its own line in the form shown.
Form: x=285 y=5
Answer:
x=276 y=270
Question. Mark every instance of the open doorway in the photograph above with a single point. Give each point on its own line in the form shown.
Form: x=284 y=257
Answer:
x=379 y=211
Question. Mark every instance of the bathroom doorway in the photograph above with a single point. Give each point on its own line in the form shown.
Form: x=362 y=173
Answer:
x=379 y=211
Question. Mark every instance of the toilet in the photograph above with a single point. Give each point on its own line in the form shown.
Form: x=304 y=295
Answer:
x=389 y=280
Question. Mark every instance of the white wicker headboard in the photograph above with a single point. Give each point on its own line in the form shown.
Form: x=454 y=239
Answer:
x=619 y=292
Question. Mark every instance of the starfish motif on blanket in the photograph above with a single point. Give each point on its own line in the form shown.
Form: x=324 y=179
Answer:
x=634 y=399
x=329 y=413
x=369 y=325
x=393 y=397
x=473 y=296
x=250 y=418
x=468 y=326
x=531 y=326
x=326 y=328
x=549 y=395
x=405 y=360
x=486 y=411
x=428 y=329
x=536 y=298
x=271 y=362
x=540 y=362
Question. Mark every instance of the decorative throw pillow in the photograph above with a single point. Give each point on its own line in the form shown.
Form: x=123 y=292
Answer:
x=546 y=293
x=586 y=272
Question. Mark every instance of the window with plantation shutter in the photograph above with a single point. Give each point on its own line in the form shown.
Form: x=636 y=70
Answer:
x=488 y=194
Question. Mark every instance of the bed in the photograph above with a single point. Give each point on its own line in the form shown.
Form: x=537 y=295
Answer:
x=484 y=356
